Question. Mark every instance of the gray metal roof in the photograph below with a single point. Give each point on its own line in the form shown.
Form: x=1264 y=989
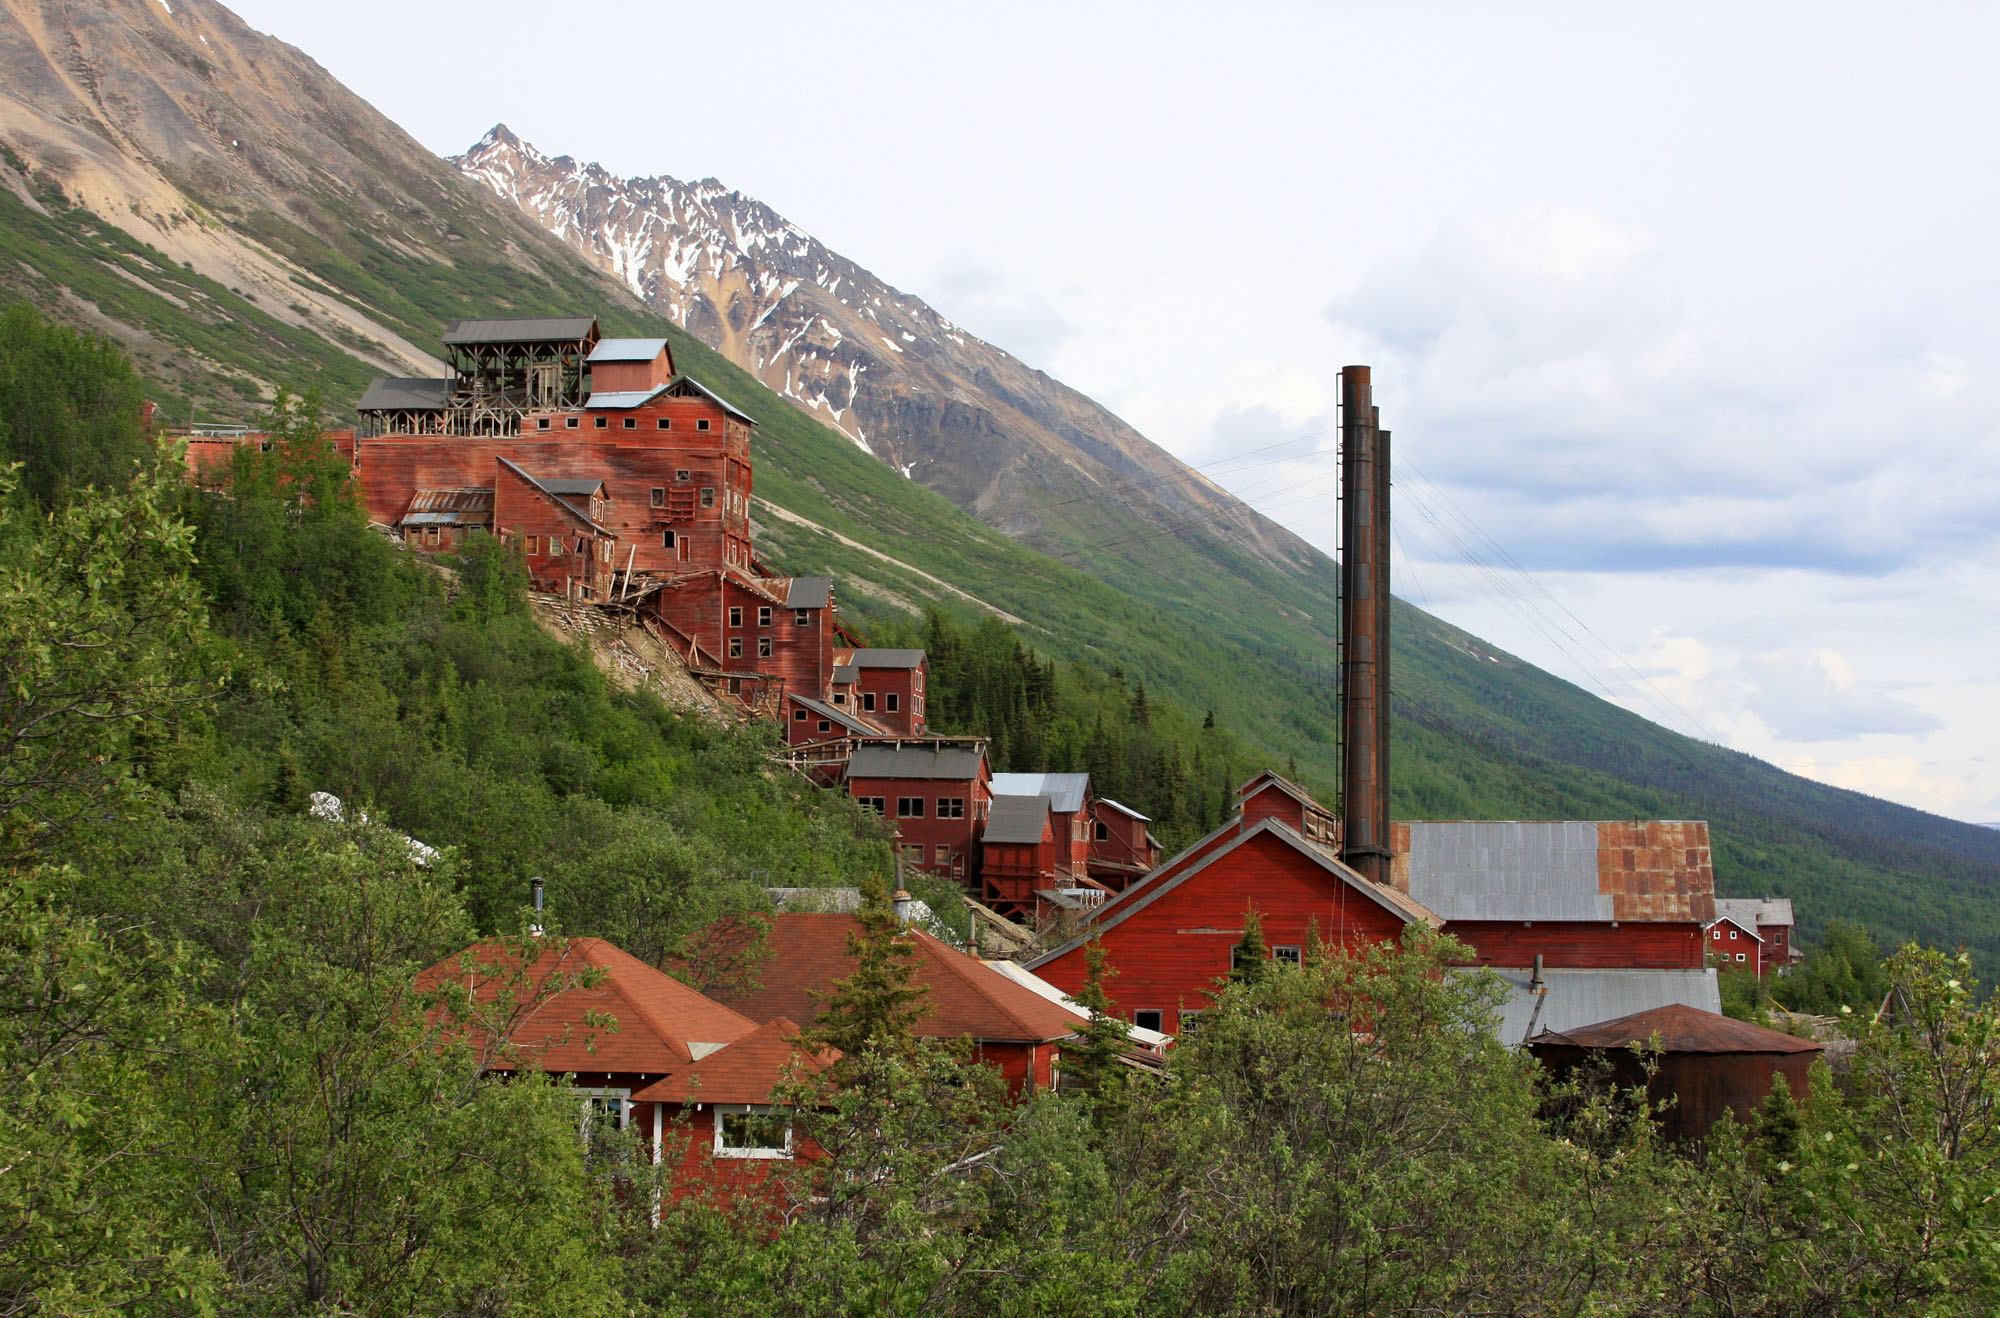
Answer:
x=626 y=350
x=1577 y=998
x=1122 y=808
x=952 y=763
x=808 y=592
x=585 y=485
x=1065 y=790
x=539 y=329
x=844 y=674
x=404 y=394
x=1749 y=912
x=1017 y=819
x=622 y=399
x=1478 y=870
x=839 y=716
x=888 y=658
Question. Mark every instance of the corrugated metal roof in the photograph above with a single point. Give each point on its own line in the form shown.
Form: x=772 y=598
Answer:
x=465 y=506
x=808 y=592
x=1749 y=912
x=1478 y=870
x=1679 y=1028
x=626 y=350
x=1064 y=790
x=906 y=761
x=405 y=394
x=1124 y=809
x=887 y=658
x=542 y=329
x=1017 y=818
x=1577 y=998
x=839 y=716
x=622 y=399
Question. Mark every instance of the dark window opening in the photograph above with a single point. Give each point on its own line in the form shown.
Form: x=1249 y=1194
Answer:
x=1148 y=1019
x=662 y=423
x=569 y=423
x=631 y=423
x=701 y=424
x=909 y=807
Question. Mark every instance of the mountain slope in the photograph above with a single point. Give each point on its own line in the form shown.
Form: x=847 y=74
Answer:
x=400 y=241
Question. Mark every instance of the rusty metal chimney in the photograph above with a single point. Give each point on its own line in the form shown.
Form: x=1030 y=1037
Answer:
x=1364 y=629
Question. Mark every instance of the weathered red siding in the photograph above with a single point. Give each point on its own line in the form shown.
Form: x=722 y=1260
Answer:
x=1582 y=945
x=873 y=689
x=633 y=462
x=956 y=836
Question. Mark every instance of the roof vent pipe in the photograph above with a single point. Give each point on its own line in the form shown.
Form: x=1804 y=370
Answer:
x=535 y=889
x=1539 y=987
x=902 y=906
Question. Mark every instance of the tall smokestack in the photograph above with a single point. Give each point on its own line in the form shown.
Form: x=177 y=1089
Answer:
x=1364 y=629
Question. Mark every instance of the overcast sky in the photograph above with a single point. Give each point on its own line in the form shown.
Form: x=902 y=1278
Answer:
x=1690 y=310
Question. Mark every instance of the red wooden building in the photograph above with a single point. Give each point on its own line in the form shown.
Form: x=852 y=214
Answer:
x=886 y=687
x=1017 y=853
x=936 y=794
x=1070 y=803
x=1011 y=1028
x=619 y=479
x=1122 y=846
x=1173 y=935
x=1753 y=933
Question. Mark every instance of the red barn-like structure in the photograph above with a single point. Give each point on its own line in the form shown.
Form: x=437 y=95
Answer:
x=1174 y=935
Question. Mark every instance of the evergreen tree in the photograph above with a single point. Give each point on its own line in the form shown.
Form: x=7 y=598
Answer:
x=875 y=1009
x=1250 y=962
x=1093 y=1057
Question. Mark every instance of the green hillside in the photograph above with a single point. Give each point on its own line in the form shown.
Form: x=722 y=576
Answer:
x=1475 y=738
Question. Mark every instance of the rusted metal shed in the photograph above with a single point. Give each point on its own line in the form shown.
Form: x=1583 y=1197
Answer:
x=1708 y=1064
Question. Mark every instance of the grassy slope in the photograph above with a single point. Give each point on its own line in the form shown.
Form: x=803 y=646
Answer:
x=1475 y=738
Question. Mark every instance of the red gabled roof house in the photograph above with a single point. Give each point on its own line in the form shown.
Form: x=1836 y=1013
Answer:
x=1011 y=1028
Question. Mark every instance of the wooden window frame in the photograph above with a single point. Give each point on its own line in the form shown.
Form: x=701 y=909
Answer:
x=909 y=807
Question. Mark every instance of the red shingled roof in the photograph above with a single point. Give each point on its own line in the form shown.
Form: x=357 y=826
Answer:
x=1680 y=1029
x=809 y=952
x=744 y=1072
x=659 y=1019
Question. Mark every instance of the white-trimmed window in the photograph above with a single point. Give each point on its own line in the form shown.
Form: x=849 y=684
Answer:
x=1286 y=953
x=763 y=615
x=891 y=702
x=802 y=617
x=909 y=807
x=1742 y=956
x=1149 y=1018
x=736 y=615
x=751 y=1130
